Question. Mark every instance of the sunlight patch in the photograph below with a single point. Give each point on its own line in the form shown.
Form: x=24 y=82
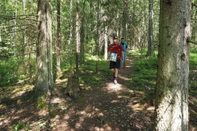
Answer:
x=56 y=100
x=114 y=87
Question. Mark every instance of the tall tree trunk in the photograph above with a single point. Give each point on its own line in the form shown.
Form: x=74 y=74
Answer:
x=58 y=48
x=82 y=34
x=71 y=23
x=173 y=66
x=44 y=75
x=24 y=32
x=106 y=43
x=97 y=36
x=125 y=19
x=77 y=38
x=150 y=30
x=15 y=27
x=194 y=28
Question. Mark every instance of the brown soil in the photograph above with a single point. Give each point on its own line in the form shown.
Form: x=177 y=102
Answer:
x=107 y=107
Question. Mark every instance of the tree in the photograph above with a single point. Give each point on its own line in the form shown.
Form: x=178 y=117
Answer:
x=125 y=19
x=58 y=48
x=77 y=38
x=150 y=30
x=82 y=34
x=44 y=75
x=173 y=66
x=97 y=34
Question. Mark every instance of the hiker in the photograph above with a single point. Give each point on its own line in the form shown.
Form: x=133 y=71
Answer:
x=124 y=45
x=115 y=54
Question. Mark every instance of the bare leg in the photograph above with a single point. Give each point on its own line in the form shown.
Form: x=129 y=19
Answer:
x=116 y=72
x=113 y=71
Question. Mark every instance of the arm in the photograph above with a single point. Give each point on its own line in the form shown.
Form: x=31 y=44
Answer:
x=108 y=55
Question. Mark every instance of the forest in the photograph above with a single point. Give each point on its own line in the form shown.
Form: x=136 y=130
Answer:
x=54 y=67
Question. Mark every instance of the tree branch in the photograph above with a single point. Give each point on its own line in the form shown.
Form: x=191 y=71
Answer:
x=193 y=42
x=194 y=4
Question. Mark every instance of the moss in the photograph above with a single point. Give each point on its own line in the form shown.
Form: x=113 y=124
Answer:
x=41 y=102
x=53 y=113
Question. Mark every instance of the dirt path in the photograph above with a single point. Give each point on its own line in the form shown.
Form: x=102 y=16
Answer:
x=108 y=107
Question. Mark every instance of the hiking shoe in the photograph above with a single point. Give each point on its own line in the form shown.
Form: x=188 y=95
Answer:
x=115 y=81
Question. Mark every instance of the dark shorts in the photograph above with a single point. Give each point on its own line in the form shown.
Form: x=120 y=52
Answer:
x=113 y=65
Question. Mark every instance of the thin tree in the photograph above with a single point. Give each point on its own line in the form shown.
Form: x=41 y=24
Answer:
x=77 y=38
x=173 y=66
x=125 y=19
x=58 y=48
x=97 y=35
x=82 y=34
x=150 y=30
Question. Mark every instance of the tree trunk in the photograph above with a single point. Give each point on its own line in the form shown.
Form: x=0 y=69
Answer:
x=106 y=44
x=125 y=19
x=77 y=38
x=82 y=34
x=71 y=24
x=58 y=48
x=173 y=66
x=44 y=75
x=24 y=32
x=15 y=28
x=97 y=36
x=150 y=30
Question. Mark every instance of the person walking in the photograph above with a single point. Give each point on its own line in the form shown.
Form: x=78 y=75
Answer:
x=115 y=54
x=124 y=45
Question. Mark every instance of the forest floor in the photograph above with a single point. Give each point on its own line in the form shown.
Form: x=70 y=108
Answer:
x=107 y=107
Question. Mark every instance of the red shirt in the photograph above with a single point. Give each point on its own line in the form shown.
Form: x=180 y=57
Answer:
x=116 y=48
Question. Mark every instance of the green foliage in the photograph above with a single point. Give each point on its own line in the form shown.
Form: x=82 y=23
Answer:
x=91 y=47
x=42 y=102
x=19 y=126
x=144 y=76
x=88 y=75
x=8 y=71
x=45 y=123
x=193 y=67
x=193 y=58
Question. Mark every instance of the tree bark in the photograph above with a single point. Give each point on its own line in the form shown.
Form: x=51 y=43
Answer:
x=150 y=30
x=44 y=75
x=173 y=66
x=77 y=37
x=125 y=19
x=97 y=37
x=58 y=48
x=106 y=43
x=82 y=34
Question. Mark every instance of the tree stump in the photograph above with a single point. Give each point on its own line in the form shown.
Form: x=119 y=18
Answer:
x=72 y=87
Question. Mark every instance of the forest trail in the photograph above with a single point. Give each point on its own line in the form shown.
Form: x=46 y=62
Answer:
x=109 y=107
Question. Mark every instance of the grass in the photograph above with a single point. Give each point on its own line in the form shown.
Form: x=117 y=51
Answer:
x=144 y=76
x=145 y=69
x=88 y=71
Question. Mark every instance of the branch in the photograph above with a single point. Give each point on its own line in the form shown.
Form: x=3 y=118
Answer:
x=194 y=4
x=193 y=42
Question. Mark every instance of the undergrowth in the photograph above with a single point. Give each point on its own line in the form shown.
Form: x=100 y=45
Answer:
x=88 y=73
x=144 y=73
